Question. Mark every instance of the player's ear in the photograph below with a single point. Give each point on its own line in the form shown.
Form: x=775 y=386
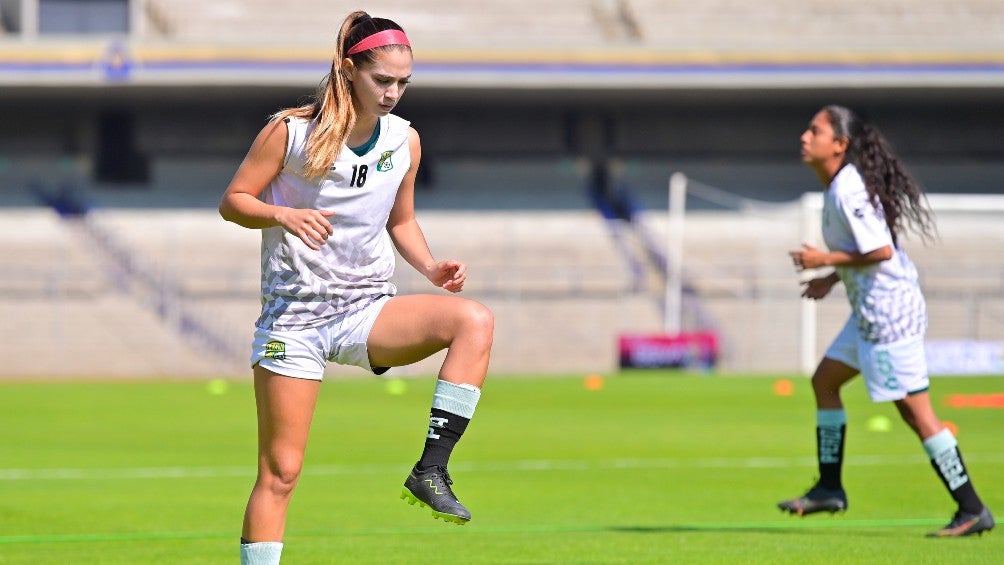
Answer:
x=841 y=144
x=348 y=69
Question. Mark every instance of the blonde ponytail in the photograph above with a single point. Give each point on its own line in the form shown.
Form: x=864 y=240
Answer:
x=332 y=109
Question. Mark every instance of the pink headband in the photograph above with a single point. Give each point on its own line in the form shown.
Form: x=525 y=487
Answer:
x=380 y=39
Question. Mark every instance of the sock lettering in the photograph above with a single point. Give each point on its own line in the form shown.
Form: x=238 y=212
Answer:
x=829 y=445
x=434 y=423
x=950 y=467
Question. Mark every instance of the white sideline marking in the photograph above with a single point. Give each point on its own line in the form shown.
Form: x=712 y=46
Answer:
x=536 y=465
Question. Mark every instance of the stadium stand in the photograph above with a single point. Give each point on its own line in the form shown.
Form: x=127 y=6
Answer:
x=723 y=24
x=561 y=289
x=71 y=313
x=790 y=24
x=191 y=282
x=152 y=282
x=433 y=23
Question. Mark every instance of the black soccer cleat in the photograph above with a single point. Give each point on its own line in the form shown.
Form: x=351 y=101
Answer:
x=966 y=524
x=818 y=499
x=431 y=488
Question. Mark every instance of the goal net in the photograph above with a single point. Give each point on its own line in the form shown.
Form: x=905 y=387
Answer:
x=731 y=253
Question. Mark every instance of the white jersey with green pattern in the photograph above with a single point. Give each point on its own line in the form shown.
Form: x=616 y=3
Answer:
x=303 y=288
x=886 y=299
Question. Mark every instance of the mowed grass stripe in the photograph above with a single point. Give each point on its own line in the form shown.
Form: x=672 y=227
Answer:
x=514 y=529
x=482 y=467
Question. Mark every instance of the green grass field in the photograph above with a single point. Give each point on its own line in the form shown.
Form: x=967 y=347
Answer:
x=655 y=467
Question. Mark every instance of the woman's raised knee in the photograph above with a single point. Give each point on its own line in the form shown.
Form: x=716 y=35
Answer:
x=483 y=317
x=479 y=320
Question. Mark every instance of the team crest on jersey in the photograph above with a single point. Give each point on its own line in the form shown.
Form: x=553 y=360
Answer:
x=275 y=350
x=385 y=164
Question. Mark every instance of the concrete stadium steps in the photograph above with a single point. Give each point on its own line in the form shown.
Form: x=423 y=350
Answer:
x=480 y=24
x=71 y=311
x=559 y=289
x=858 y=24
x=195 y=251
x=555 y=280
x=106 y=336
x=498 y=183
x=524 y=253
x=44 y=255
x=183 y=239
x=666 y=24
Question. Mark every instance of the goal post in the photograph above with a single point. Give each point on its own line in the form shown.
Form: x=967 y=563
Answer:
x=750 y=293
x=673 y=316
x=811 y=206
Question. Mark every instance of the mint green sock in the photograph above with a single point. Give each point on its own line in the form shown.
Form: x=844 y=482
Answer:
x=261 y=553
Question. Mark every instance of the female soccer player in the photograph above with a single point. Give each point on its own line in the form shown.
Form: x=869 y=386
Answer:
x=331 y=187
x=869 y=200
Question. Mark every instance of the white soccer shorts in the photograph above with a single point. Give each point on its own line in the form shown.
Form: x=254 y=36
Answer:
x=891 y=370
x=303 y=353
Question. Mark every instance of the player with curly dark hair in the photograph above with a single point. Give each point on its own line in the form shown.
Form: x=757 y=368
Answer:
x=869 y=202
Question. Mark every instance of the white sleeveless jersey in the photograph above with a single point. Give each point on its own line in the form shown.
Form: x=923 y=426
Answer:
x=303 y=288
x=886 y=300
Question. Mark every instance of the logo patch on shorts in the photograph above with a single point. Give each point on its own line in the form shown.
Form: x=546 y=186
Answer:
x=275 y=350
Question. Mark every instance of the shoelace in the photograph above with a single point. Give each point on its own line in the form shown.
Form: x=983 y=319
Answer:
x=440 y=471
x=446 y=475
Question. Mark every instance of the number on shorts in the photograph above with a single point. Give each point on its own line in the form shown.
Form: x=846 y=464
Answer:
x=883 y=364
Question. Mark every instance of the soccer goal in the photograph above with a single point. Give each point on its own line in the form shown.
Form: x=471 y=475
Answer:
x=735 y=260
